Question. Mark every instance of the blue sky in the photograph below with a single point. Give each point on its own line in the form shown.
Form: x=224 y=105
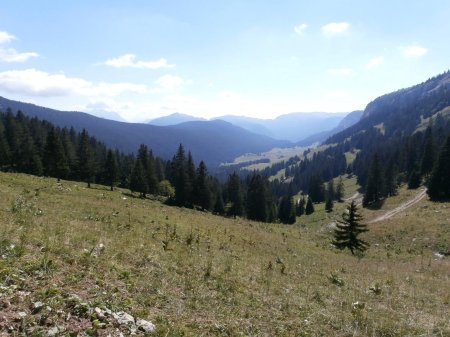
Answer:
x=144 y=59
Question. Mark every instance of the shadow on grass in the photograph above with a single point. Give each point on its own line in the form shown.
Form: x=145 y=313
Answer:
x=375 y=205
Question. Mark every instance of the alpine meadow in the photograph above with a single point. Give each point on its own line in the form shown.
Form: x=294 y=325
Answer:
x=224 y=169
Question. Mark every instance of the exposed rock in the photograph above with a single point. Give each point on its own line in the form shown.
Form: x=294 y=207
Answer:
x=36 y=307
x=145 y=326
x=123 y=318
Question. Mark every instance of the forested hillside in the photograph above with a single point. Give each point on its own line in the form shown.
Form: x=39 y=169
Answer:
x=397 y=140
x=214 y=142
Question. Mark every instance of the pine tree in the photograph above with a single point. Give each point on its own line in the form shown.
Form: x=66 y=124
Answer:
x=429 y=153
x=391 y=178
x=330 y=193
x=148 y=165
x=347 y=231
x=219 y=207
x=340 y=190
x=300 y=209
x=315 y=189
x=202 y=192
x=257 y=201
x=439 y=182
x=4 y=147
x=235 y=196
x=86 y=164
x=138 y=179
x=309 y=209
x=375 y=183
x=179 y=176
x=55 y=160
x=414 y=179
x=191 y=179
x=111 y=174
x=286 y=210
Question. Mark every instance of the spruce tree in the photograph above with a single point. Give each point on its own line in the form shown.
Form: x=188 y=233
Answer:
x=4 y=147
x=138 y=179
x=55 y=161
x=286 y=210
x=429 y=153
x=347 y=231
x=414 y=179
x=257 y=201
x=219 y=207
x=439 y=182
x=375 y=183
x=111 y=174
x=202 y=192
x=235 y=196
x=330 y=193
x=340 y=190
x=300 y=209
x=86 y=164
x=309 y=209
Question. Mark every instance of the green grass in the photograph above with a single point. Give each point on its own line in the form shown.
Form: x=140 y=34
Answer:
x=196 y=274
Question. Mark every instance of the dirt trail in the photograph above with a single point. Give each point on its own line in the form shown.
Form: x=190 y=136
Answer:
x=401 y=207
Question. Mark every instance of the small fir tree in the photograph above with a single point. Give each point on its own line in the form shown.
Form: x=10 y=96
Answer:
x=300 y=209
x=340 y=190
x=347 y=231
x=309 y=209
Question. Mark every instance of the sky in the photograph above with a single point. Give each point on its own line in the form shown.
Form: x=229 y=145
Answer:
x=265 y=58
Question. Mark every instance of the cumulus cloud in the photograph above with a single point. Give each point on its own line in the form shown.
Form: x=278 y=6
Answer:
x=341 y=71
x=374 y=62
x=300 y=29
x=129 y=61
x=5 y=37
x=33 y=82
x=11 y=55
x=335 y=28
x=170 y=82
x=413 y=51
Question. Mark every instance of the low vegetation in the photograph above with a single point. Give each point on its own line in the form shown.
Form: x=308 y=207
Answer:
x=66 y=249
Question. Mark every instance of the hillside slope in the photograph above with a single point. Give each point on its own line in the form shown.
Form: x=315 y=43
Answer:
x=192 y=273
x=202 y=138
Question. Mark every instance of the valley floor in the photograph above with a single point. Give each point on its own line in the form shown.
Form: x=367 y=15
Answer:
x=66 y=250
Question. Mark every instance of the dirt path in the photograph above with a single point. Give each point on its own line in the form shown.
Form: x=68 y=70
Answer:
x=401 y=207
x=358 y=197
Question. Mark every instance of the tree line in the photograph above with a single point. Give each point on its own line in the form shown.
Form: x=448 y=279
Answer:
x=32 y=146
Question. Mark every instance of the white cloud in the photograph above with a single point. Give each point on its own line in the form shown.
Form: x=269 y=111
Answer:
x=341 y=72
x=5 y=37
x=167 y=83
x=300 y=29
x=413 y=51
x=335 y=28
x=129 y=61
x=11 y=55
x=38 y=83
x=374 y=62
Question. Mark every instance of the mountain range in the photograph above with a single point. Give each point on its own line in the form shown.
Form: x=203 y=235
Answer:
x=294 y=127
x=211 y=141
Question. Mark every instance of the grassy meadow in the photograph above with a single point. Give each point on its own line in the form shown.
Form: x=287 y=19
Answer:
x=196 y=274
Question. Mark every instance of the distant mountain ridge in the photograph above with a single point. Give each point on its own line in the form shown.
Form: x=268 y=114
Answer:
x=349 y=120
x=212 y=141
x=174 y=119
